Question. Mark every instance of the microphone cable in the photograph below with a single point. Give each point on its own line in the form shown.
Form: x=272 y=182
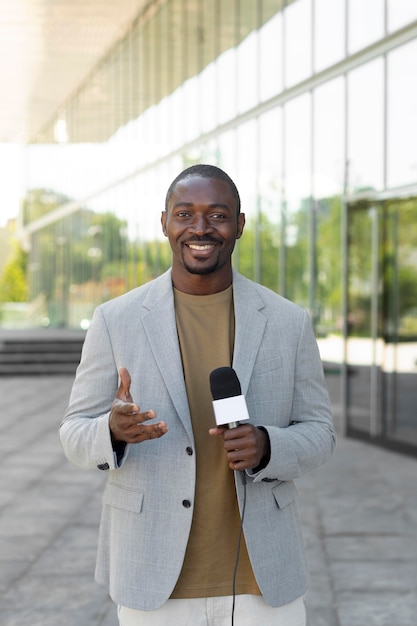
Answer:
x=239 y=541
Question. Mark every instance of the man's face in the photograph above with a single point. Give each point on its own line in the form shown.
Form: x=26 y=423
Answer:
x=202 y=225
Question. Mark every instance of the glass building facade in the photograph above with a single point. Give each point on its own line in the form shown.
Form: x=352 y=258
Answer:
x=310 y=106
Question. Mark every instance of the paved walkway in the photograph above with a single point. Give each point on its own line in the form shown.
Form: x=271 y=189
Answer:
x=359 y=514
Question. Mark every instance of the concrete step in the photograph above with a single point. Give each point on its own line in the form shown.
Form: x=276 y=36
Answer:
x=46 y=352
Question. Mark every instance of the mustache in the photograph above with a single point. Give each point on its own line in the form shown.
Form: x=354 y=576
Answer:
x=202 y=239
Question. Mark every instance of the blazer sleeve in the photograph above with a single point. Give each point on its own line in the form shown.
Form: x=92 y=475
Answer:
x=84 y=432
x=307 y=439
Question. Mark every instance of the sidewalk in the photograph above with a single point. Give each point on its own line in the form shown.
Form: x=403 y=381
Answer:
x=359 y=516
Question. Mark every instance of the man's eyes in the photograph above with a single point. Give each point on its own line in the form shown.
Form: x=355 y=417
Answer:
x=215 y=216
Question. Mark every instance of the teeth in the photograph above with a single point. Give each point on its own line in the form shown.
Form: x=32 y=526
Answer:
x=196 y=246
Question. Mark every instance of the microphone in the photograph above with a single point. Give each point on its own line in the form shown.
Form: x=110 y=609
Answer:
x=228 y=401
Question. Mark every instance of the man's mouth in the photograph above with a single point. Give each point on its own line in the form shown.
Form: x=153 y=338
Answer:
x=200 y=246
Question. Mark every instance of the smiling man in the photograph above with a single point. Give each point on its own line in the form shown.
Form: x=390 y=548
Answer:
x=170 y=547
x=202 y=221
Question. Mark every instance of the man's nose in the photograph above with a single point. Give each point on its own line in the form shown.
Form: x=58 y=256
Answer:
x=200 y=225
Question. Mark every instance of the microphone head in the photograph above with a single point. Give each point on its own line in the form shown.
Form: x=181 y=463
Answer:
x=224 y=383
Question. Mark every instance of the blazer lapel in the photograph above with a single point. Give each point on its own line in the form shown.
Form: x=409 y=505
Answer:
x=161 y=329
x=250 y=327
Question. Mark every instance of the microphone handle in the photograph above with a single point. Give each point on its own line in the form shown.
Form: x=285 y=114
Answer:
x=233 y=425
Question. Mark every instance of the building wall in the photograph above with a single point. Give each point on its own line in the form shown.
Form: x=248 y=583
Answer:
x=309 y=105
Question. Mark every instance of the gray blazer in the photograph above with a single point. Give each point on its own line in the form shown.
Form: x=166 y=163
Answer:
x=145 y=524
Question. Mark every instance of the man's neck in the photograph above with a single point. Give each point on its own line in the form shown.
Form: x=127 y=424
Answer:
x=201 y=284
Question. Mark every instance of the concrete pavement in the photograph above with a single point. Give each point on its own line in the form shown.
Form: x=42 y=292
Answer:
x=359 y=516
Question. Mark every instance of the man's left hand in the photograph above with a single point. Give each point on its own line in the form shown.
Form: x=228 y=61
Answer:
x=246 y=446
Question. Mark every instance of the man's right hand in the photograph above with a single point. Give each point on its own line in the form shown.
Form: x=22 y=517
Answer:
x=126 y=420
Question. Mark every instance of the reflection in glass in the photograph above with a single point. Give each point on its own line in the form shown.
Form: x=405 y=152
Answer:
x=365 y=23
x=208 y=98
x=399 y=320
x=246 y=180
x=360 y=348
x=329 y=135
x=297 y=28
x=247 y=73
x=382 y=318
x=226 y=85
x=402 y=119
x=400 y=13
x=366 y=126
x=297 y=185
x=328 y=183
x=329 y=33
x=270 y=198
x=247 y=56
x=270 y=62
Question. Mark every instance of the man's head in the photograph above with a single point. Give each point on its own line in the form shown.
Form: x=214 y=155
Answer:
x=202 y=221
x=204 y=171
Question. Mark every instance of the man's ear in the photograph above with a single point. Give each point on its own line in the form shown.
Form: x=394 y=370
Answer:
x=240 y=225
x=164 y=223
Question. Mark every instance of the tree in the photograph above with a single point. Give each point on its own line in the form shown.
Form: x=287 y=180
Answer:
x=39 y=202
x=13 y=283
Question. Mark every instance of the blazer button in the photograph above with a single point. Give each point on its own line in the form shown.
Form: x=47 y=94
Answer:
x=189 y=450
x=186 y=504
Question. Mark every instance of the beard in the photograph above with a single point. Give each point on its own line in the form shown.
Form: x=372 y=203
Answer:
x=201 y=270
x=195 y=267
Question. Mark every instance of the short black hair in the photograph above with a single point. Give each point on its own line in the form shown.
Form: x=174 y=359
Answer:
x=204 y=171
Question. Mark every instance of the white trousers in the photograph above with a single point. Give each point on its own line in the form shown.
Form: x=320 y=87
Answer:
x=250 y=610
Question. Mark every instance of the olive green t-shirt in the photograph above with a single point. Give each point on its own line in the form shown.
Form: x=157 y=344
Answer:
x=206 y=335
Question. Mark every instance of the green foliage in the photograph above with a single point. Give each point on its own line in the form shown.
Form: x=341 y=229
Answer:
x=39 y=202
x=85 y=258
x=89 y=257
x=13 y=283
x=263 y=266
x=329 y=259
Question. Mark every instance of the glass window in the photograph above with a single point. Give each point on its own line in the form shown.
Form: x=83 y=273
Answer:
x=400 y=13
x=176 y=107
x=270 y=62
x=248 y=56
x=360 y=350
x=399 y=312
x=247 y=72
x=270 y=196
x=402 y=119
x=297 y=142
x=329 y=32
x=191 y=110
x=208 y=98
x=328 y=183
x=163 y=136
x=226 y=85
x=226 y=64
x=365 y=23
x=366 y=126
x=329 y=142
x=297 y=37
x=226 y=151
x=246 y=181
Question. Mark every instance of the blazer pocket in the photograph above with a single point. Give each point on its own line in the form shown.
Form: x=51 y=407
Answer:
x=264 y=366
x=285 y=493
x=122 y=498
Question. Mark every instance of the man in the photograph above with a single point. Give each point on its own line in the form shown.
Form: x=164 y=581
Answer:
x=141 y=408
